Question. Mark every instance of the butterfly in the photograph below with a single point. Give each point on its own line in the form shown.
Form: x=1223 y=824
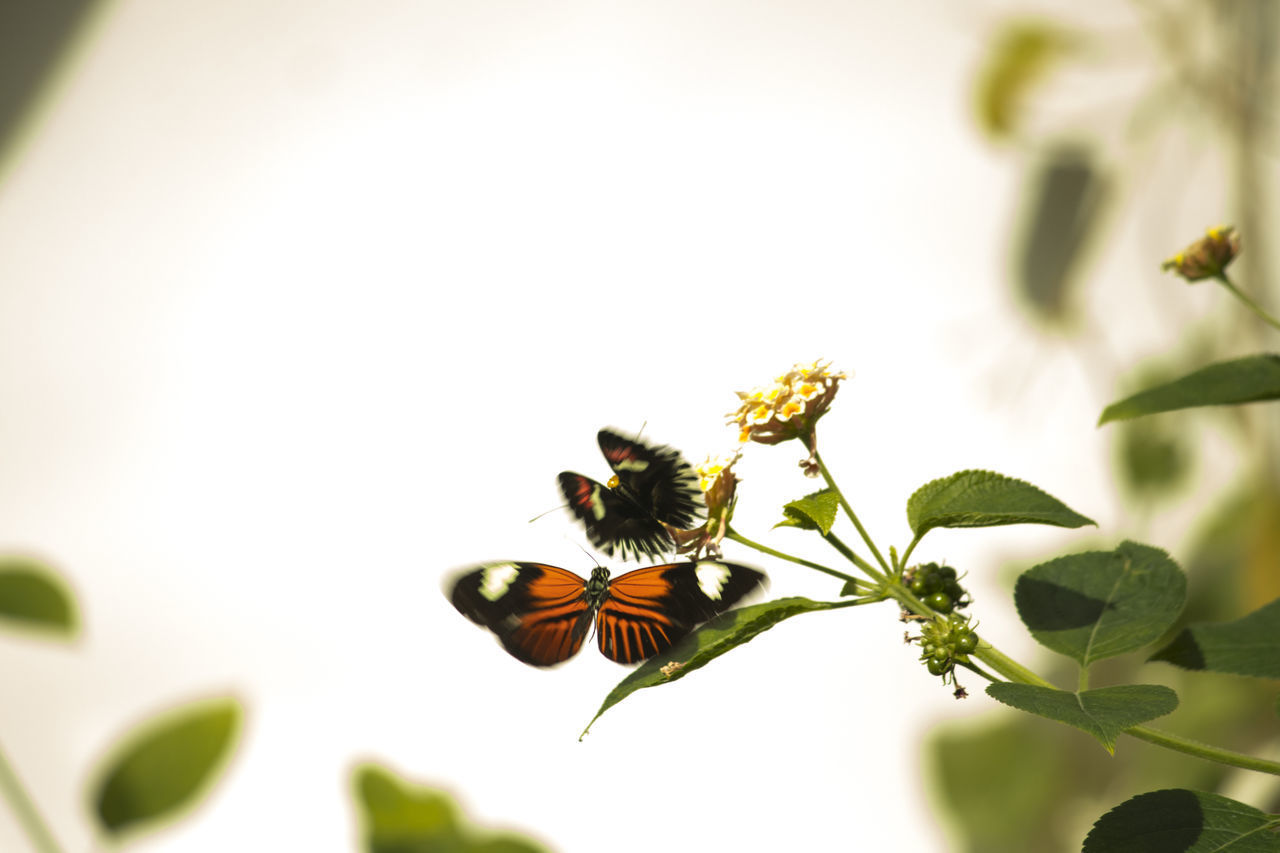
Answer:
x=652 y=486
x=543 y=613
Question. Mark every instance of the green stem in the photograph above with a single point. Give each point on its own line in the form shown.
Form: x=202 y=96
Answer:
x=1203 y=750
x=848 y=554
x=1244 y=297
x=848 y=510
x=907 y=553
x=765 y=549
x=1007 y=666
x=12 y=790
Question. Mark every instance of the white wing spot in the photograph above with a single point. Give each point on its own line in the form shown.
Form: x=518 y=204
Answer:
x=497 y=579
x=712 y=578
x=597 y=505
x=631 y=465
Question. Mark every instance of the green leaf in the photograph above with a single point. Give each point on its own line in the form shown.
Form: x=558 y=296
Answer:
x=32 y=596
x=725 y=632
x=1101 y=603
x=1064 y=196
x=816 y=511
x=1248 y=646
x=1103 y=713
x=165 y=764
x=400 y=817
x=1245 y=380
x=1183 y=821
x=985 y=499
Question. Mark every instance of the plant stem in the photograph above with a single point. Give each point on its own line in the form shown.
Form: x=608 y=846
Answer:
x=907 y=553
x=847 y=553
x=765 y=549
x=25 y=809
x=848 y=510
x=1203 y=750
x=1244 y=297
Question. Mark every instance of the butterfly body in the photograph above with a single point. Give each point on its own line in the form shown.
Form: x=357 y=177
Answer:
x=542 y=614
x=652 y=487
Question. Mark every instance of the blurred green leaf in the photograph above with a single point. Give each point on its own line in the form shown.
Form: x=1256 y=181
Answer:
x=1103 y=713
x=167 y=763
x=1154 y=457
x=1101 y=603
x=1183 y=821
x=399 y=817
x=723 y=633
x=1246 y=380
x=985 y=499
x=32 y=596
x=1061 y=209
x=1248 y=646
x=815 y=511
x=1020 y=56
x=994 y=796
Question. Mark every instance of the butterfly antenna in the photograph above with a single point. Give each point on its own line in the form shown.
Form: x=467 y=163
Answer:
x=588 y=553
x=548 y=512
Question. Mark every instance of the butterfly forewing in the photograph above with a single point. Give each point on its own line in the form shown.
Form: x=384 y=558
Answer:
x=540 y=613
x=648 y=610
x=656 y=477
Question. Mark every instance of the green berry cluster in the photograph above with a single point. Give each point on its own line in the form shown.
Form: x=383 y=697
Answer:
x=937 y=586
x=945 y=642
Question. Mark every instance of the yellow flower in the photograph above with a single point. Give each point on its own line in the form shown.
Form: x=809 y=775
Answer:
x=1208 y=256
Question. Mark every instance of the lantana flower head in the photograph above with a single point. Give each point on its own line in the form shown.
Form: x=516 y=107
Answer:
x=719 y=486
x=789 y=407
x=1208 y=256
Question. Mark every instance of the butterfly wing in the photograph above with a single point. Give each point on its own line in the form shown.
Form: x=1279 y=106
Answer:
x=649 y=610
x=656 y=477
x=540 y=613
x=613 y=519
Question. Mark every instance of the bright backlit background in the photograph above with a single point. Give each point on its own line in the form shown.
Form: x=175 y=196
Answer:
x=303 y=306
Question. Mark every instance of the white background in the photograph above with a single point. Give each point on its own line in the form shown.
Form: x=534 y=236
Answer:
x=303 y=306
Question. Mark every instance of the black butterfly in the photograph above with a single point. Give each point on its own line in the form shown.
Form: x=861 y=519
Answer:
x=543 y=613
x=651 y=486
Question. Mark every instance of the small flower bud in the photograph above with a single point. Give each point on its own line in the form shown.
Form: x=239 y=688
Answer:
x=1208 y=256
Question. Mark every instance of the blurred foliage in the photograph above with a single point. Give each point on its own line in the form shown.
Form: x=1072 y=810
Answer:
x=1061 y=210
x=165 y=765
x=32 y=596
x=1021 y=55
x=400 y=817
x=1019 y=784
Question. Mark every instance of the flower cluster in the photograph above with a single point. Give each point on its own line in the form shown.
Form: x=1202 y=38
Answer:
x=1208 y=256
x=789 y=407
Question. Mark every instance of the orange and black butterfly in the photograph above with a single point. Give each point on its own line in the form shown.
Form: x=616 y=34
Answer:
x=652 y=486
x=542 y=614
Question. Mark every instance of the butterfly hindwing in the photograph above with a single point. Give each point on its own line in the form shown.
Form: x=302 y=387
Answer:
x=540 y=613
x=649 y=610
